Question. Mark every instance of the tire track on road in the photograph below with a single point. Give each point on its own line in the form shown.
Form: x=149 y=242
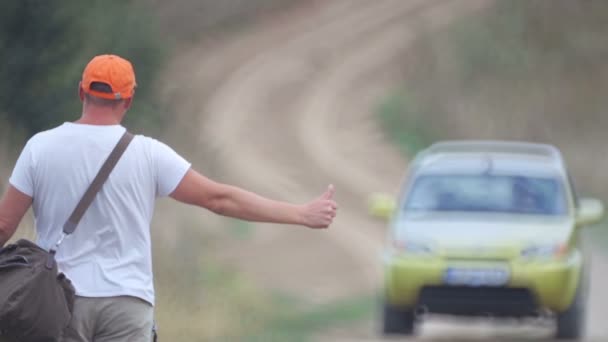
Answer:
x=251 y=84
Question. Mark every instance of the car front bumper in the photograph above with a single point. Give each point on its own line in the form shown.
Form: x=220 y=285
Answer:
x=412 y=281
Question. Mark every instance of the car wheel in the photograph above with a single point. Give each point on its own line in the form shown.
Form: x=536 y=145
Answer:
x=571 y=323
x=397 y=320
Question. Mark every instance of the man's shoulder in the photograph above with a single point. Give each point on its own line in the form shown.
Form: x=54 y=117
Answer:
x=158 y=149
x=44 y=136
x=150 y=142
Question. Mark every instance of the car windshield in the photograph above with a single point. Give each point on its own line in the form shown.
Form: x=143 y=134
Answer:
x=487 y=193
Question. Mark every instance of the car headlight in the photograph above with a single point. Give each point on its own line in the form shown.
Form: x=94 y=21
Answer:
x=411 y=247
x=544 y=251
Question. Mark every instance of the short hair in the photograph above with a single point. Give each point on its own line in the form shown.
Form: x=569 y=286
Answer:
x=98 y=101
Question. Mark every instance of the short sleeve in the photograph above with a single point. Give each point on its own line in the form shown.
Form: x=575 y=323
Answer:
x=22 y=177
x=170 y=169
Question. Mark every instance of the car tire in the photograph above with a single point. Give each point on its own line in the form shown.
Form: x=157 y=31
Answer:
x=571 y=323
x=398 y=320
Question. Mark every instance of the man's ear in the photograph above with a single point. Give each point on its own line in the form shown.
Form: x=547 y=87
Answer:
x=80 y=92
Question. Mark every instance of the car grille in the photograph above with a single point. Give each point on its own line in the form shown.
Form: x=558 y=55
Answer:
x=478 y=252
x=478 y=301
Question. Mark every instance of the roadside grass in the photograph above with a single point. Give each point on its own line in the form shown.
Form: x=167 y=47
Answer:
x=403 y=121
x=198 y=298
x=241 y=230
x=303 y=324
x=201 y=299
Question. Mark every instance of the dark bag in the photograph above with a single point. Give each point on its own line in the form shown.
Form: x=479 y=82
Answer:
x=36 y=301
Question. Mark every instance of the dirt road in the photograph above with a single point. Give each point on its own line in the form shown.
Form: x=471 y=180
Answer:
x=288 y=108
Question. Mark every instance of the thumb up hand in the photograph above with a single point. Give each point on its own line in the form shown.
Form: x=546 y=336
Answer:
x=320 y=212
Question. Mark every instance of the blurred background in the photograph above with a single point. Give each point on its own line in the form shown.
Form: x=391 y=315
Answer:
x=285 y=96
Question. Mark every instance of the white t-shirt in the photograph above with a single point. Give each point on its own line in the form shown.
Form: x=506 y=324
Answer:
x=109 y=254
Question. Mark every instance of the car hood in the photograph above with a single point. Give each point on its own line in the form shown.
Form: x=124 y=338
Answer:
x=488 y=235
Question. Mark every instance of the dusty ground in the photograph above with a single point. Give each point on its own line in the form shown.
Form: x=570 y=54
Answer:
x=287 y=109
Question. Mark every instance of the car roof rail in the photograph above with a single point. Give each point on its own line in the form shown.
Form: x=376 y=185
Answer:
x=495 y=146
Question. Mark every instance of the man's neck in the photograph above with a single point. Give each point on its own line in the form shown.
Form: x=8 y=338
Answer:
x=93 y=116
x=96 y=121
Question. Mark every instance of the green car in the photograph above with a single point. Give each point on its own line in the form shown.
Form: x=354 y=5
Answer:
x=486 y=228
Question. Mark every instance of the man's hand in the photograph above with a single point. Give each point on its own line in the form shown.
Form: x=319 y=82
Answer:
x=320 y=213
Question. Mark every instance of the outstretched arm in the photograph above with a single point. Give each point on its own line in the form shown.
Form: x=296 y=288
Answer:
x=235 y=202
x=13 y=205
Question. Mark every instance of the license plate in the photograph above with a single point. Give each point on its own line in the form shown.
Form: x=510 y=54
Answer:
x=476 y=276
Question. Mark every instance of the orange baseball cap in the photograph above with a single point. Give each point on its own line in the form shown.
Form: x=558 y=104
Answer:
x=112 y=70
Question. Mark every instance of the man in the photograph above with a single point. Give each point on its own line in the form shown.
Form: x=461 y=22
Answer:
x=108 y=258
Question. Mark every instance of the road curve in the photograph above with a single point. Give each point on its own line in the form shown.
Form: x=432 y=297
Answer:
x=288 y=109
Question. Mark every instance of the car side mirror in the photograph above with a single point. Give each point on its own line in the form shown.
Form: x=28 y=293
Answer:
x=382 y=205
x=589 y=211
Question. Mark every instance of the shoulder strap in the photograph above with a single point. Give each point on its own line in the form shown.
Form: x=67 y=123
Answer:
x=98 y=181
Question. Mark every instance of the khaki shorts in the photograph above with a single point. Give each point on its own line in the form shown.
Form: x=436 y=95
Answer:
x=116 y=319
